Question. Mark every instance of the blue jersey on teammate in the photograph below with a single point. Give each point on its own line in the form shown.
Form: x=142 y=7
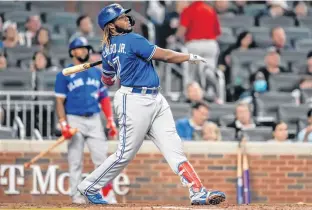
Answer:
x=83 y=91
x=121 y=58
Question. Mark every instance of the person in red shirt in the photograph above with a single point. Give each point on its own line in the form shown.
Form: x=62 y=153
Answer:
x=200 y=28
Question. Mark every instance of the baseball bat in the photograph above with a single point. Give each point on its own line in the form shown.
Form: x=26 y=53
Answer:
x=43 y=153
x=239 y=187
x=246 y=177
x=79 y=68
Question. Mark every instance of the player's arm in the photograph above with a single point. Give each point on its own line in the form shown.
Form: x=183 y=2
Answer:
x=171 y=56
x=61 y=91
x=106 y=107
x=108 y=73
x=144 y=49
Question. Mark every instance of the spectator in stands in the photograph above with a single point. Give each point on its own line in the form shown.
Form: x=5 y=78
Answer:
x=192 y=128
x=244 y=41
x=222 y=7
x=305 y=134
x=300 y=8
x=200 y=34
x=41 y=62
x=211 y=132
x=3 y=62
x=275 y=8
x=195 y=93
x=280 y=132
x=42 y=39
x=309 y=64
x=32 y=25
x=272 y=65
x=279 y=38
x=239 y=7
x=11 y=37
x=170 y=25
x=84 y=28
x=243 y=118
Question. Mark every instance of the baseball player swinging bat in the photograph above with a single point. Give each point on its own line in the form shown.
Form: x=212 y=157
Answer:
x=43 y=153
x=79 y=68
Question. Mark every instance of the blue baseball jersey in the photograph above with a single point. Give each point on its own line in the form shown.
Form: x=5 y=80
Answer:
x=129 y=57
x=83 y=91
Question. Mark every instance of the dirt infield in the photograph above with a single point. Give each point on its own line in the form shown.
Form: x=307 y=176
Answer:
x=156 y=207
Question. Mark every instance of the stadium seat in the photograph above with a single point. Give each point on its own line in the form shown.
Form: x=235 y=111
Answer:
x=303 y=44
x=226 y=120
x=216 y=111
x=291 y=56
x=18 y=16
x=305 y=21
x=58 y=40
x=259 y=133
x=299 y=67
x=236 y=21
x=63 y=19
x=6 y=6
x=16 y=81
x=269 y=102
x=46 y=80
x=291 y=114
x=252 y=9
x=228 y=134
x=306 y=95
x=180 y=110
x=294 y=33
x=242 y=58
x=20 y=53
x=270 y=22
x=48 y=6
x=285 y=82
x=257 y=32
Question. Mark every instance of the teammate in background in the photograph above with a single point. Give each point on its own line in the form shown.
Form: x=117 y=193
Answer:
x=141 y=108
x=77 y=105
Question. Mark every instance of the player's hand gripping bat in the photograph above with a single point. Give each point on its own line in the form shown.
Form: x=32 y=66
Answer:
x=43 y=153
x=79 y=68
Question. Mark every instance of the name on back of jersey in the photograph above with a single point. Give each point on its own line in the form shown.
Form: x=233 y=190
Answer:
x=79 y=82
x=113 y=49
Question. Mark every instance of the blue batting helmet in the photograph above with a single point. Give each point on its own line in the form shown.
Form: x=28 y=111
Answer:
x=109 y=13
x=78 y=43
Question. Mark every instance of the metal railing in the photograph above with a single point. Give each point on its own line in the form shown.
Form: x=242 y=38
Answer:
x=35 y=117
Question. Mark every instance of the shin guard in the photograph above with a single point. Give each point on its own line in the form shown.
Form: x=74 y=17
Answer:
x=189 y=177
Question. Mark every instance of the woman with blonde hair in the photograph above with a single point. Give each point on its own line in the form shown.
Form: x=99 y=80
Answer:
x=211 y=132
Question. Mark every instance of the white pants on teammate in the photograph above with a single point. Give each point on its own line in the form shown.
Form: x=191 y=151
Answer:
x=139 y=115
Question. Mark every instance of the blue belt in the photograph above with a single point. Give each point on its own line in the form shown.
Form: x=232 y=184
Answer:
x=145 y=90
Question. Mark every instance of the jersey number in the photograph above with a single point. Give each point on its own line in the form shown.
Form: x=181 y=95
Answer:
x=117 y=66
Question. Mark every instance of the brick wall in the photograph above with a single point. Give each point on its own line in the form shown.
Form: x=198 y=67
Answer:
x=274 y=178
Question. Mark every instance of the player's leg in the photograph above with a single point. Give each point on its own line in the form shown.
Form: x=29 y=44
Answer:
x=96 y=142
x=133 y=128
x=75 y=158
x=164 y=135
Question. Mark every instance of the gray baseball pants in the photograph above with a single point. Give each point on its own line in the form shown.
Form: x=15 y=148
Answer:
x=139 y=115
x=91 y=132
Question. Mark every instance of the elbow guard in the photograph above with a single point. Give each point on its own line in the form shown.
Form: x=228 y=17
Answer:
x=108 y=80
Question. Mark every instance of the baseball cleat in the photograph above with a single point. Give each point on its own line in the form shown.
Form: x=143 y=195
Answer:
x=204 y=197
x=96 y=199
